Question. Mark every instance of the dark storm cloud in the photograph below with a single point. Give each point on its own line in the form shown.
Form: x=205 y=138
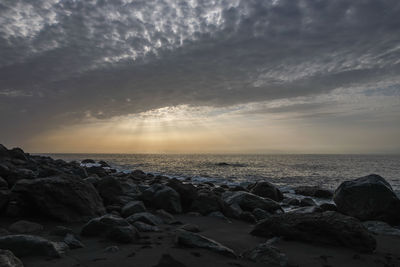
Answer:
x=63 y=60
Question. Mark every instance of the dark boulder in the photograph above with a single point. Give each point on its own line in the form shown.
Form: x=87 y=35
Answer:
x=313 y=191
x=18 y=153
x=187 y=192
x=266 y=190
x=110 y=190
x=168 y=199
x=207 y=202
x=368 y=198
x=67 y=198
x=88 y=161
x=8 y=259
x=29 y=245
x=326 y=228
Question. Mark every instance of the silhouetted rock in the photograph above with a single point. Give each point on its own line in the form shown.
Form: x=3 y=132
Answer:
x=266 y=190
x=249 y=202
x=187 y=192
x=267 y=254
x=132 y=208
x=368 y=198
x=193 y=240
x=110 y=190
x=88 y=161
x=207 y=202
x=112 y=227
x=8 y=259
x=67 y=198
x=327 y=228
x=168 y=199
x=29 y=245
x=25 y=227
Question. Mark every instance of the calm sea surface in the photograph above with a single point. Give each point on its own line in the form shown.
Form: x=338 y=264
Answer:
x=282 y=170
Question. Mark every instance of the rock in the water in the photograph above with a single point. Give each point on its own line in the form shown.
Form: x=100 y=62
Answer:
x=111 y=227
x=167 y=261
x=381 y=228
x=168 y=199
x=265 y=253
x=145 y=217
x=249 y=202
x=313 y=191
x=132 y=208
x=266 y=190
x=25 y=227
x=67 y=198
x=8 y=259
x=188 y=239
x=29 y=245
x=327 y=227
x=368 y=198
x=73 y=242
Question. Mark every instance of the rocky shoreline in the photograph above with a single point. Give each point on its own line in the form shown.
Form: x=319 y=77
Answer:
x=57 y=213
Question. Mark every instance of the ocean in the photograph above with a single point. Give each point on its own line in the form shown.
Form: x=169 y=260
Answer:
x=285 y=171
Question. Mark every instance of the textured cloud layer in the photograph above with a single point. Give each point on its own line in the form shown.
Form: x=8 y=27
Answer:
x=64 y=61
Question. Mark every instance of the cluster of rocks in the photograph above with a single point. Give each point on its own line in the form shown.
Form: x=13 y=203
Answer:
x=119 y=206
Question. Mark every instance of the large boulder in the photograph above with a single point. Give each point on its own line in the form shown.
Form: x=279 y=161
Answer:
x=266 y=190
x=8 y=259
x=168 y=199
x=112 y=227
x=187 y=192
x=368 y=198
x=207 y=202
x=326 y=227
x=248 y=201
x=29 y=245
x=110 y=190
x=67 y=198
x=193 y=240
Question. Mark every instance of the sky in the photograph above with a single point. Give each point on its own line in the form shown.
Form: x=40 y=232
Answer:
x=200 y=76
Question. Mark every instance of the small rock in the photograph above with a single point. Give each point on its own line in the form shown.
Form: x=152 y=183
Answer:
x=25 y=227
x=267 y=254
x=8 y=259
x=193 y=240
x=73 y=242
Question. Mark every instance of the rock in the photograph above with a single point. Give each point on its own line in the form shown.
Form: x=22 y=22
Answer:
x=88 y=161
x=306 y=202
x=104 y=164
x=144 y=227
x=328 y=206
x=61 y=231
x=19 y=174
x=145 y=217
x=18 y=153
x=193 y=240
x=8 y=259
x=266 y=190
x=25 y=227
x=249 y=202
x=207 y=202
x=168 y=199
x=73 y=242
x=219 y=215
x=328 y=227
x=97 y=170
x=267 y=254
x=233 y=210
x=308 y=209
x=167 y=217
x=247 y=216
x=67 y=198
x=167 y=261
x=313 y=191
x=29 y=245
x=368 y=198
x=4 y=198
x=112 y=249
x=187 y=192
x=381 y=228
x=261 y=214
x=3 y=151
x=191 y=228
x=110 y=189
x=112 y=227
x=132 y=208
x=3 y=183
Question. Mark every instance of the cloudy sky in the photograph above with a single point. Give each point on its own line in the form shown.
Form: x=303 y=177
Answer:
x=200 y=76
